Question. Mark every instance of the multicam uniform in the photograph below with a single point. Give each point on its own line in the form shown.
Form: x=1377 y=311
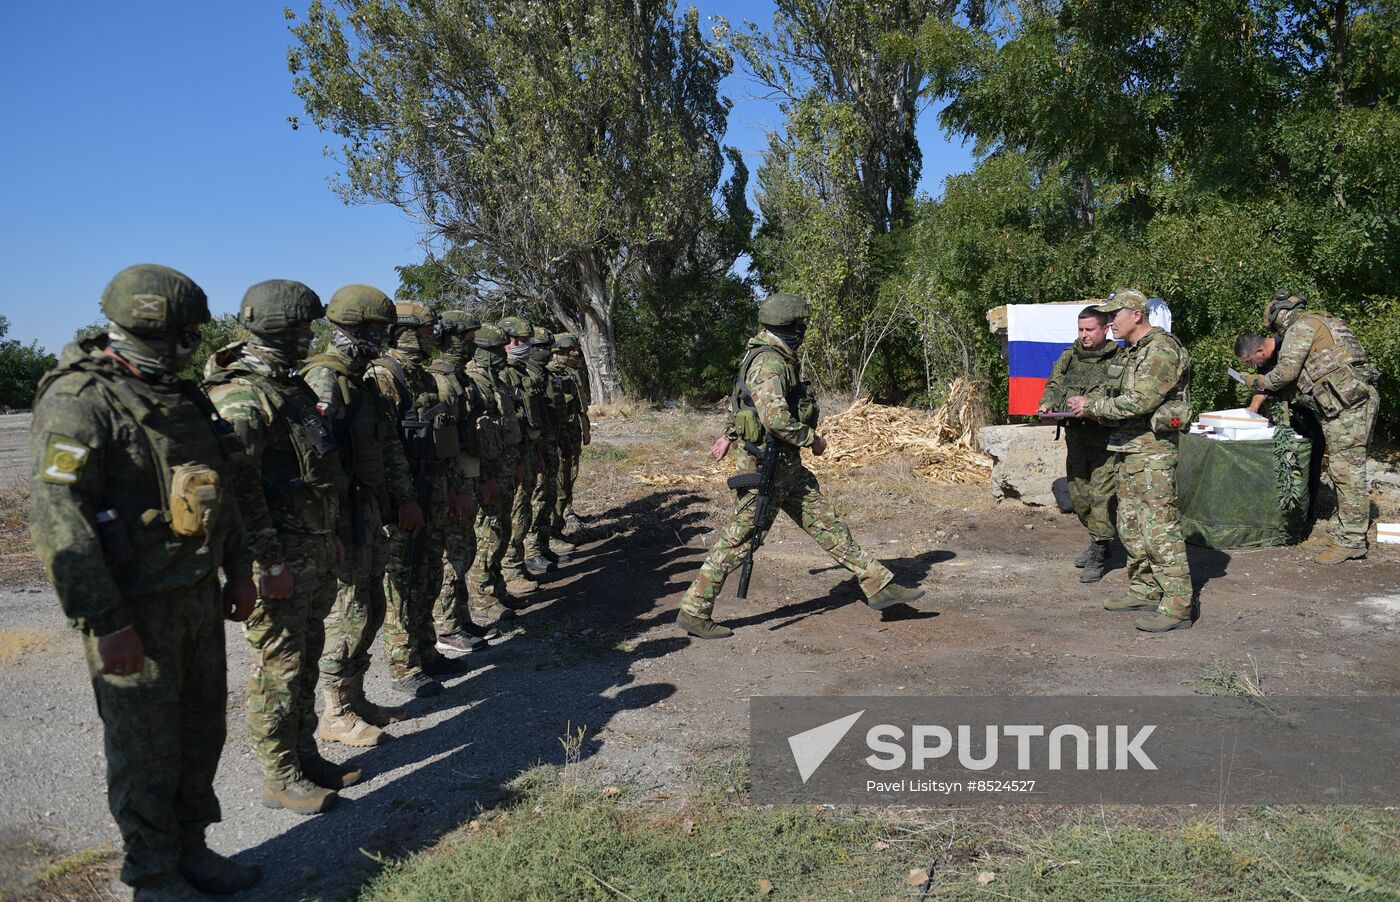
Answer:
x=527 y=380
x=498 y=422
x=1089 y=466
x=556 y=411
x=781 y=405
x=1151 y=388
x=574 y=433
x=451 y=615
x=1328 y=369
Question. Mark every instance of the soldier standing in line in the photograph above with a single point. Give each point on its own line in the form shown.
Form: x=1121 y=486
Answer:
x=499 y=417
x=429 y=430
x=566 y=518
x=452 y=613
x=132 y=516
x=290 y=501
x=1328 y=371
x=771 y=400
x=1148 y=406
x=527 y=379
x=539 y=556
x=1089 y=466
x=364 y=427
x=573 y=435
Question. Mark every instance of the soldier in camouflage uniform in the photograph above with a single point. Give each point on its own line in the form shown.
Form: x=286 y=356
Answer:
x=428 y=427
x=1148 y=406
x=363 y=424
x=539 y=556
x=527 y=379
x=497 y=424
x=574 y=428
x=1322 y=364
x=132 y=517
x=1090 y=467
x=290 y=499
x=452 y=614
x=771 y=400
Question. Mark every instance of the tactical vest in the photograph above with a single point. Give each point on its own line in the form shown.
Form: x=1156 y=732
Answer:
x=1173 y=415
x=362 y=430
x=558 y=410
x=178 y=431
x=569 y=400
x=1083 y=373
x=429 y=431
x=309 y=461
x=498 y=425
x=801 y=403
x=1336 y=374
x=526 y=401
x=452 y=392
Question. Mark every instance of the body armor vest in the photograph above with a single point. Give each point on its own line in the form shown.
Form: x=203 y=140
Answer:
x=801 y=402
x=499 y=422
x=361 y=430
x=1336 y=372
x=1173 y=415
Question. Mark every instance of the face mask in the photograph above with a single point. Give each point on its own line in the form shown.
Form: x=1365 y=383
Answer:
x=365 y=346
x=154 y=356
x=791 y=334
x=410 y=341
x=519 y=353
x=490 y=358
x=283 y=350
x=540 y=355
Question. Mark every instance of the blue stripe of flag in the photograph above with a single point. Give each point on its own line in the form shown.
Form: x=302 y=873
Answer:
x=1034 y=359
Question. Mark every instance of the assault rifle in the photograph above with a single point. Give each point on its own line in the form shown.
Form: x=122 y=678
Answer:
x=418 y=445
x=761 y=480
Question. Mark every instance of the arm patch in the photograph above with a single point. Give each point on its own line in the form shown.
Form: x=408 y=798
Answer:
x=64 y=459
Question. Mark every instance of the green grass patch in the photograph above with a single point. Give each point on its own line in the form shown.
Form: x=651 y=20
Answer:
x=602 y=451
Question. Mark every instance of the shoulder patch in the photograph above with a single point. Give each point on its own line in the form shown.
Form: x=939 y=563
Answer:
x=64 y=459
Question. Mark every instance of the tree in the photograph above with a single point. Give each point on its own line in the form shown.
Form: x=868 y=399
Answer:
x=551 y=146
x=21 y=368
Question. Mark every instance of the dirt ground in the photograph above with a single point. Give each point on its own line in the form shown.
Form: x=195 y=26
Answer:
x=1004 y=615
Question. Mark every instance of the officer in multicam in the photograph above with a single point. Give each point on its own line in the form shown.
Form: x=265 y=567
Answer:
x=363 y=424
x=428 y=427
x=1323 y=365
x=1148 y=405
x=132 y=516
x=574 y=433
x=498 y=423
x=770 y=399
x=1090 y=467
x=539 y=556
x=527 y=379
x=290 y=499
x=456 y=631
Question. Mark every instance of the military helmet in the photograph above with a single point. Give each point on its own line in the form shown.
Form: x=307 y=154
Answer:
x=489 y=336
x=1282 y=300
x=565 y=341
x=783 y=308
x=355 y=304
x=278 y=305
x=413 y=314
x=459 y=321
x=152 y=298
x=541 y=337
x=517 y=327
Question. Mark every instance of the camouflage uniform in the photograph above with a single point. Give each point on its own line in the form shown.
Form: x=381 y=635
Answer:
x=576 y=430
x=556 y=411
x=1090 y=467
x=1325 y=366
x=498 y=421
x=292 y=507
x=527 y=380
x=1150 y=374
x=774 y=380
x=109 y=449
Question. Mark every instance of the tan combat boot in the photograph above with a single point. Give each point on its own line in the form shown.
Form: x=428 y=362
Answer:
x=702 y=627
x=340 y=723
x=369 y=712
x=1335 y=554
x=300 y=796
x=1130 y=603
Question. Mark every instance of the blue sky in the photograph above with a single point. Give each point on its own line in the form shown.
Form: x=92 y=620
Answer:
x=157 y=131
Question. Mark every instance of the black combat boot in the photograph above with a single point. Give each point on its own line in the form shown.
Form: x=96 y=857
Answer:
x=1083 y=558
x=1094 y=563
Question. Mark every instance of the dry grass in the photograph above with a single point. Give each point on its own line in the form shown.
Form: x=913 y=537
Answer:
x=18 y=565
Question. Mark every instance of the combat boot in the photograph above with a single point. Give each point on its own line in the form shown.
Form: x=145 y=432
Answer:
x=417 y=685
x=1095 y=563
x=209 y=872
x=327 y=773
x=299 y=796
x=1338 y=553
x=1084 y=555
x=169 y=888
x=572 y=522
x=495 y=611
x=516 y=587
x=538 y=566
x=1130 y=603
x=1162 y=622
x=702 y=627
x=561 y=546
x=892 y=595
x=367 y=710
x=340 y=723
x=441 y=665
x=555 y=557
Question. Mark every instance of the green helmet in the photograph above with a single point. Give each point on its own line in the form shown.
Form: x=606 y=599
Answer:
x=460 y=321
x=355 y=304
x=414 y=314
x=1283 y=300
x=148 y=298
x=783 y=308
x=489 y=336
x=278 y=305
x=541 y=337
x=517 y=327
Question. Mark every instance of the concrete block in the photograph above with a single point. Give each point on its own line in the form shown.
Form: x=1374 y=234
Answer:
x=1026 y=460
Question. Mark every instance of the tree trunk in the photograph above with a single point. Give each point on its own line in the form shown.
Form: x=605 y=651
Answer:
x=596 y=335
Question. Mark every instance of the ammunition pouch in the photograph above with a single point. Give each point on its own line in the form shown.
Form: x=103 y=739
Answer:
x=747 y=427
x=745 y=481
x=1338 y=391
x=806 y=407
x=194 y=499
x=1172 y=416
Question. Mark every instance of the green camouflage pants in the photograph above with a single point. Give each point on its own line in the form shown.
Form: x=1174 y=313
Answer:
x=163 y=728
x=796 y=493
x=543 y=498
x=287 y=636
x=358 y=610
x=1149 y=525
x=411 y=586
x=450 y=612
x=1090 y=470
x=513 y=562
x=1347 y=437
x=492 y=536
x=569 y=453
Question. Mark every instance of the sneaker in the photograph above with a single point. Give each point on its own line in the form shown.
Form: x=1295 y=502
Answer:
x=459 y=642
x=441 y=665
x=418 y=685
